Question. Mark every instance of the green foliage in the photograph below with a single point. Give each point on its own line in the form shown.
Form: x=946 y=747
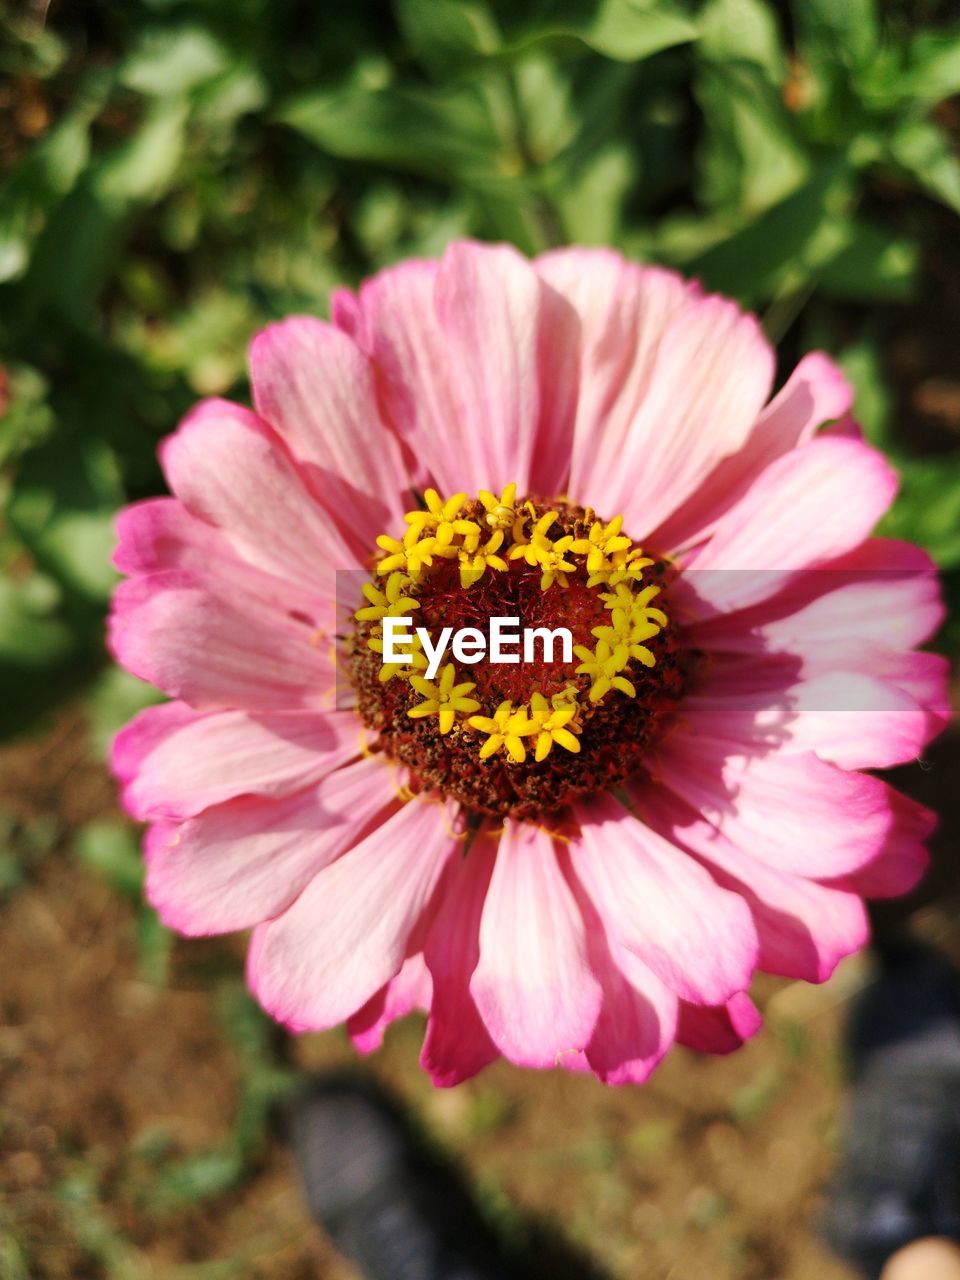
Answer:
x=176 y=174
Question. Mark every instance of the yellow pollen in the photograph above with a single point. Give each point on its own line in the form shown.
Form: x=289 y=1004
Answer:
x=602 y=665
x=505 y=729
x=389 y=603
x=474 y=559
x=442 y=519
x=444 y=698
x=499 y=511
x=555 y=722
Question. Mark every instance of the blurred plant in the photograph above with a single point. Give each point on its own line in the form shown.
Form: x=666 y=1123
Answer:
x=178 y=172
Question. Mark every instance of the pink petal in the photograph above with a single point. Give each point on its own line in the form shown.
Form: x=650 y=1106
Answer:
x=457 y=1045
x=176 y=761
x=624 y=311
x=900 y=864
x=810 y=506
x=881 y=598
x=214 y=651
x=394 y=322
x=638 y=1017
x=657 y=902
x=161 y=534
x=511 y=347
x=793 y=812
x=532 y=984
x=711 y=376
x=346 y=935
x=853 y=720
x=246 y=860
x=805 y=929
x=409 y=990
x=816 y=392
x=228 y=468
x=314 y=386
x=720 y=1030
x=925 y=677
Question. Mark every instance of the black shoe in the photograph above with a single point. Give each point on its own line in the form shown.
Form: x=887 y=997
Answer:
x=386 y=1203
x=899 y=1175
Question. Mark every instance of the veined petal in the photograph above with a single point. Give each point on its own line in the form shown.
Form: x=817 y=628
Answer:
x=657 y=902
x=532 y=984
x=410 y=989
x=216 y=652
x=457 y=1044
x=315 y=387
x=228 y=468
x=244 y=861
x=804 y=928
x=346 y=934
x=792 y=811
x=811 y=506
x=817 y=392
x=175 y=761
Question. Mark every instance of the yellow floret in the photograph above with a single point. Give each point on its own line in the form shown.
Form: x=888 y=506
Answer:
x=443 y=698
x=506 y=729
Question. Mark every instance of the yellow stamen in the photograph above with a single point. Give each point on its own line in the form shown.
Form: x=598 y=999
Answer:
x=602 y=665
x=500 y=512
x=550 y=556
x=389 y=603
x=602 y=544
x=442 y=518
x=417 y=662
x=443 y=698
x=506 y=729
x=410 y=555
x=554 y=723
x=474 y=559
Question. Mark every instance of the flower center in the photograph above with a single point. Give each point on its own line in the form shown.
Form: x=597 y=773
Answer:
x=570 y=707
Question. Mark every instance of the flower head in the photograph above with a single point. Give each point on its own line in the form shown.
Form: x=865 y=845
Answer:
x=576 y=858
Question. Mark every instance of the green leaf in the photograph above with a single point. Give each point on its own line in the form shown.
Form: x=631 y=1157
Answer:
x=927 y=509
x=783 y=249
x=442 y=133
x=874 y=264
x=862 y=363
x=744 y=31
x=839 y=30
x=113 y=700
x=26 y=418
x=154 y=944
x=166 y=64
x=447 y=34
x=625 y=30
x=144 y=168
x=44 y=655
x=591 y=200
x=32 y=633
x=111 y=849
x=36 y=187
x=752 y=156
x=933 y=66
x=929 y=155
x=62 y=507
x=200 y=1177
x=547 y=119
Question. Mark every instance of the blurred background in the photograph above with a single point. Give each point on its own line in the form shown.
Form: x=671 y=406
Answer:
x=177 y=173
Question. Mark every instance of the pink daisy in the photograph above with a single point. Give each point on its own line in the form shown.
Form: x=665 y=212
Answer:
x=574 y=862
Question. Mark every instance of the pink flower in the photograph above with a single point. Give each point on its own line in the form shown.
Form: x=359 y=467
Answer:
x=574 y=864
